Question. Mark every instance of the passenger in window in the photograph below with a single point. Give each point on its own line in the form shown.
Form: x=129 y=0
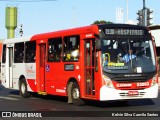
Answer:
x=21 y=55
x=51 y=57
x=67 y=56
x=119 y=57
x=50 y=50
x=68 y=51
x=33 y=56
x=105 y=59
x=57 y=52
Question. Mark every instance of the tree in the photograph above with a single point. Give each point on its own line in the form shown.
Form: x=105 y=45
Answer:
x=102 y=22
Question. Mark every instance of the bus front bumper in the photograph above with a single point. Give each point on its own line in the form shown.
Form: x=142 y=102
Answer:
x=113 y=94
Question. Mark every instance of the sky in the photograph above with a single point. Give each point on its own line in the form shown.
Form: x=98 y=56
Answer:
x=47 y=16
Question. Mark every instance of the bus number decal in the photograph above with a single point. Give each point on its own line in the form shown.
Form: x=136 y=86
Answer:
x=142 y=84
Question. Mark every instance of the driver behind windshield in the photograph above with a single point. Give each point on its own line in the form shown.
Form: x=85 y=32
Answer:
x=128 y=56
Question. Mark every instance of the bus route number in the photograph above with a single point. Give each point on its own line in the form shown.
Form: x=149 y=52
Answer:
x=142 y=84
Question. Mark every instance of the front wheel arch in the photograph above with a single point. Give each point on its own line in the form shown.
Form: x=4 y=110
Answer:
x=74 y=96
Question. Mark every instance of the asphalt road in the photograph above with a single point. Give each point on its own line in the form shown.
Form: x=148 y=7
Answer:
x=57 y=108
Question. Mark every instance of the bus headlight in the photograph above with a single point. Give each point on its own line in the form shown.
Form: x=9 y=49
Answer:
x=107 y=81
x=154 y=80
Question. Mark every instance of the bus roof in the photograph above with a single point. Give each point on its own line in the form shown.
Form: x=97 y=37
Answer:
x=14 y=40
x=67 y=32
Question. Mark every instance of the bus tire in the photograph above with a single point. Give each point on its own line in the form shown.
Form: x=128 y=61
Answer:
x=70 y=101
x=23 y=89
x=75 y=95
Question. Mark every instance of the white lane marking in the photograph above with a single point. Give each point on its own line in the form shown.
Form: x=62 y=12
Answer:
x=8 y=98
x=18 y=96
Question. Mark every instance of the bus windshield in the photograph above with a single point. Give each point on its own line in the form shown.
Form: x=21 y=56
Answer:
x=128 y=55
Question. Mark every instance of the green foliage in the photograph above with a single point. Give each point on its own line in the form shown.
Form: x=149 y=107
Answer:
x=101 y=22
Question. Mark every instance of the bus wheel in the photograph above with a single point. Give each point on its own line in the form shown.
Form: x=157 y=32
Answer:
x=75 y=94
x=23 y=89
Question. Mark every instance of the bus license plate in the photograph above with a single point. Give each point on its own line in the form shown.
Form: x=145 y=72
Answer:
x=132 y=93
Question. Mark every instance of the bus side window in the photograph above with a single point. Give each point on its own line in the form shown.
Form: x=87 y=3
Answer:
x=4 y=54
x=30 y=51
x=19 y=52
x=54 y=49
x=71 y=48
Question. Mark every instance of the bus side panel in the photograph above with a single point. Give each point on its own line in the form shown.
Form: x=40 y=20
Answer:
x=54 y=77
x=18 y=70
x=57 y=77
x=3 y=74
x=30 y=69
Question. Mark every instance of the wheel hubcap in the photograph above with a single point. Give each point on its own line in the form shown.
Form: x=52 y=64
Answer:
x=23 y=88
x=75 y=93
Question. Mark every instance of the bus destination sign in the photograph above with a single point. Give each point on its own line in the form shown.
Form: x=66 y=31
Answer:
x=123 y=31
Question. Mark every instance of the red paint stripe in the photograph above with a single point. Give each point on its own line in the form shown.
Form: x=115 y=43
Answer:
x=32 y=84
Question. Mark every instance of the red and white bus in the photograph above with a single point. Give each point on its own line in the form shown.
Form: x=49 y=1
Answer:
x=83 y=63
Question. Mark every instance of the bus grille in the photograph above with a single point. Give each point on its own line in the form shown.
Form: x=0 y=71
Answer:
x=131 y=79
x=140 y=94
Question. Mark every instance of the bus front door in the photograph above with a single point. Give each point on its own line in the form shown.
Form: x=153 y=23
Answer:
x=89 y=61
x=42 y=59
x=9 y=67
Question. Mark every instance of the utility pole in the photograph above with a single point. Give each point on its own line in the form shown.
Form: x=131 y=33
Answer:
x=144 y=13
x=144 y=16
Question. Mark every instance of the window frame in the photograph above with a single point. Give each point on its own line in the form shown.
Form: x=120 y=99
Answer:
x=19 y=58
x=54 y=42
x=67 y=45
x=4 y=53
x=32 y=54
